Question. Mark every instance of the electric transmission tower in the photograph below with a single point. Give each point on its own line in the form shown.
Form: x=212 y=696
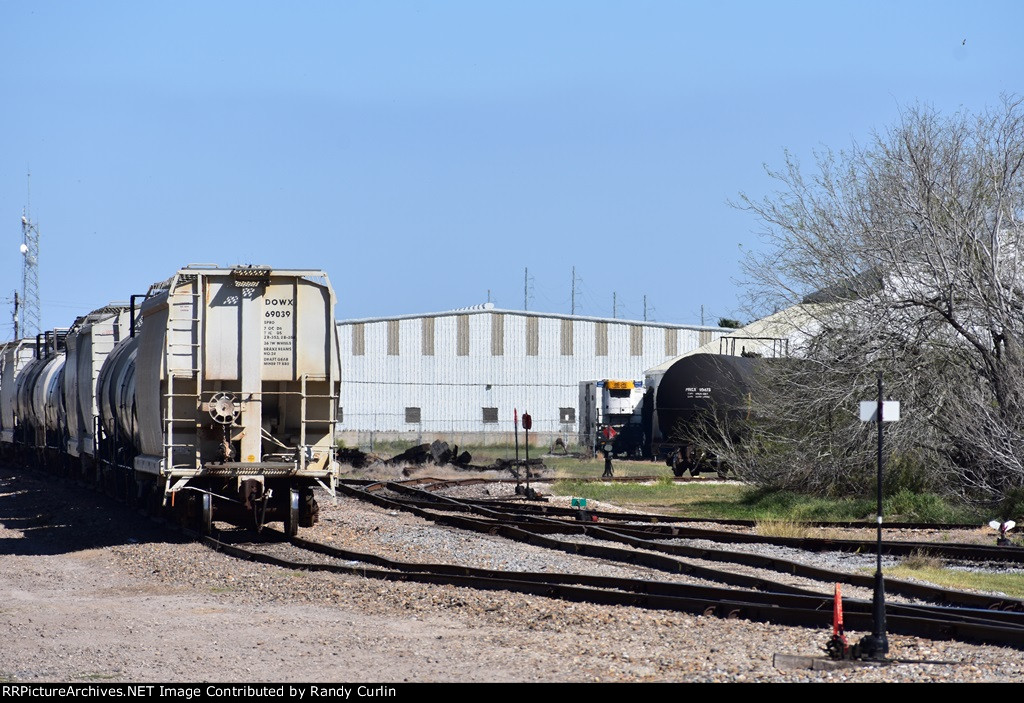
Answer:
x=29 y=277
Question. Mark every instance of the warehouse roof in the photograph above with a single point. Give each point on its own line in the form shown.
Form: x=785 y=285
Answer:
x=487 y=308
x=771 y=336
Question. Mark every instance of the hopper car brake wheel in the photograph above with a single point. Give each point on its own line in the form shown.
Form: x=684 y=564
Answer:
x=223 y=409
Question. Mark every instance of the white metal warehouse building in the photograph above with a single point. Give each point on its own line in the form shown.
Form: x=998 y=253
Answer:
x=457 y=375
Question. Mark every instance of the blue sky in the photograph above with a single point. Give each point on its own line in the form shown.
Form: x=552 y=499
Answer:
x=425 y=153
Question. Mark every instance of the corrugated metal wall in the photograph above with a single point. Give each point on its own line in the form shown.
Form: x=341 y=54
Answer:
x=456 y=372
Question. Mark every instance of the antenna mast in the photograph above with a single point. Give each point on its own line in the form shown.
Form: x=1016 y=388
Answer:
x=30 y=315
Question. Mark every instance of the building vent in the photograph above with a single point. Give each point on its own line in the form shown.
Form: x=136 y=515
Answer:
x=490 y=416
x=497 y=334
x=359 y=339
x=393 y=337
x=567 y=415
x=601 y=339
x=532 y=336
x=412 y=416
x=636 y=340
x=462 y=332
x=427 y=336
x=671 y=342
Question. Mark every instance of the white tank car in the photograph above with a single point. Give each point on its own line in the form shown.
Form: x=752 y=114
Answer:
x=49 y=403
x=88 y=344
x=224 y=403
x=14 y=357
x=37 y=411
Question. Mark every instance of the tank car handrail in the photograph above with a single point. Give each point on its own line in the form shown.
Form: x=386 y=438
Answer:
x=133 y=316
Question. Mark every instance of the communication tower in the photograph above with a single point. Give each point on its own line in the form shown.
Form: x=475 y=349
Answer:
x=30 y=316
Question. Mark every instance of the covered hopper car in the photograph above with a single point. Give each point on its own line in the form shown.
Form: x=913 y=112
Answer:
x=212 y=396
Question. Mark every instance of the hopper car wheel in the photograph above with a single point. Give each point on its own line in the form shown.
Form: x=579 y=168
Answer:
x=678 y=468
x=206 y=514
x=309 y=511
x=291 y=514
x=149 y=501
x=131 y=497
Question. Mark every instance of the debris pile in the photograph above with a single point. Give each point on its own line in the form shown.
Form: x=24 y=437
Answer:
x=437 y=453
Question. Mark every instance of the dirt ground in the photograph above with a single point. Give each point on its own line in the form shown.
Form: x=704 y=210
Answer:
x=95 y=592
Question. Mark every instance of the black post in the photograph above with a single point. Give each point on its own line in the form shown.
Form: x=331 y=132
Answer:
x=876 y=645
x=515 y=420
x=526 y=426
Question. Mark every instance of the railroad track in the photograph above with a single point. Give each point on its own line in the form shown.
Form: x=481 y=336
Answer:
x=742 y=596
x=541 y=508
x=514 y=504
x=540 y=518
x=553 y=479
x=786 y=607
x=669 y=558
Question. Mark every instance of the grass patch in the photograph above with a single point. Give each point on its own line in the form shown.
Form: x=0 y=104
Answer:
x=569 y=467
x=690 y=499
x=902 y=506
x=786 y=505
x=1010 y=584
x=735 y=501
x=909 y=505
x=783 y=528
x=920 y=560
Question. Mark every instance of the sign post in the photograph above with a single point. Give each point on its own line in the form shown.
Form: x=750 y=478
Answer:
x=876 y=645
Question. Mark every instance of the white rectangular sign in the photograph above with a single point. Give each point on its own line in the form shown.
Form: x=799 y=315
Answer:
x=869 y=410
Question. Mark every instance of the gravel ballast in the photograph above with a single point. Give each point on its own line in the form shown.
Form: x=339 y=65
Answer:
x=94 y=591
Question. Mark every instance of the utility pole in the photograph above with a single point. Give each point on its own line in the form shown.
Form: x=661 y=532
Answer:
x=615 y=305
x=645 y=308
x=526 y=287
x=572 y=309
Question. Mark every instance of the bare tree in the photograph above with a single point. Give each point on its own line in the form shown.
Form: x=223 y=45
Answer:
x=907 y=254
